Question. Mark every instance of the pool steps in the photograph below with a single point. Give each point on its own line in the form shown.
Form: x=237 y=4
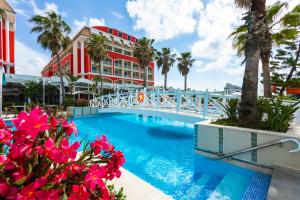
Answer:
x=233 y=186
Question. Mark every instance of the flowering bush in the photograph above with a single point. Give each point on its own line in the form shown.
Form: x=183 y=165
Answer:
x=37 y=161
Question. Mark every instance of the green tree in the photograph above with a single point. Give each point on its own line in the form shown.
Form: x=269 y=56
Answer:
x=255 y=38
x=96 y=47
x=2 y=12
x=290 y=39
x=53 y=32
x=33 y=90
x=165 y=60
x=72 y=81
x=239 y=40
x=145 y=53
x=96 y=80
x=185 y=63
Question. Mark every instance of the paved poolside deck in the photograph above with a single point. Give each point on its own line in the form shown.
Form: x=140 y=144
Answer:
x=284 y=184
x=138 y=189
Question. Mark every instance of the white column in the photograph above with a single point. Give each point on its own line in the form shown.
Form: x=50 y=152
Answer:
x=7 y=69
x=7 y=41
x=75 y=63
x=82 y=56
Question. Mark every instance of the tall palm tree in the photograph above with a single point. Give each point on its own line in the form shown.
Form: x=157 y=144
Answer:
x=165 y=60
x=96 y=47
x=145 y=53
x=185 y=62
x=2 y=12
x=255 y=37
x=239 y=40
x=53 y=32
x=72 y=81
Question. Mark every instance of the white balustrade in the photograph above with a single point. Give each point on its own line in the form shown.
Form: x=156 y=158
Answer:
x=205 y=103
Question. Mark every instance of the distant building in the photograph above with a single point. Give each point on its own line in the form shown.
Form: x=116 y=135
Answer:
x=120 y=67
x=7 y=38
x=230 y=88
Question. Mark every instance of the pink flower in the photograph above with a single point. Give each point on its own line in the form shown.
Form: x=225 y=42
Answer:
x=5 y=136
x=63 y=153
x=101 y=144
x=30 y=125
x=79 y=192
x=69 y=128
x=30 y=191
x=7 y=191
x=3 y=159
x=94 y=176
x=20 y=150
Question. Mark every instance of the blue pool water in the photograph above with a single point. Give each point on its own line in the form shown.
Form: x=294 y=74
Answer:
x=161 y=152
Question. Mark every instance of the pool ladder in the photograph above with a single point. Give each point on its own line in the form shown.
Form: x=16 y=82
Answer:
x=268 y=144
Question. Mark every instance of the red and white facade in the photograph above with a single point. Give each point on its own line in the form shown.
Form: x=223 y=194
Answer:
x=120 y=67
x=7 y=38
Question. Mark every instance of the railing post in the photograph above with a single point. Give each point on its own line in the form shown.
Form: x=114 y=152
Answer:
x=178 y=100
x=205 y=105
x=145 y=97
x=157 y=98
x=118 y=98
x=130 y=98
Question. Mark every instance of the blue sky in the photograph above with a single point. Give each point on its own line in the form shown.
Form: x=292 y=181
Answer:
x=198 y=26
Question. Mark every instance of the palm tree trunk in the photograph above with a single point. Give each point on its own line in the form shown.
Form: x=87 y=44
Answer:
x=185 y=82
x=166 y=78
x=248 y=105
x=101 y=80
x=62 y=85
x=145 y=76
x=293 y=69
x=265 y=60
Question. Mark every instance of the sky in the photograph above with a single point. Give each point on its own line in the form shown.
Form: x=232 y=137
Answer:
x=199 y=26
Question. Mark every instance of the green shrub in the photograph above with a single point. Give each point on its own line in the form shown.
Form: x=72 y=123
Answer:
x=82 y=103
x=272 y=114
x=279 y=115
x=231 y=109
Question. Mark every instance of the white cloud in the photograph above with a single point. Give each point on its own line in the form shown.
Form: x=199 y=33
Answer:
x=166 y=19
x=117 y=15
x=78 y=24
x=22 y=7
x=29 y=61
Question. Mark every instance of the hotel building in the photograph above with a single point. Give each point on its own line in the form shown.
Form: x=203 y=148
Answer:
x=7 y=38
x=120 y=67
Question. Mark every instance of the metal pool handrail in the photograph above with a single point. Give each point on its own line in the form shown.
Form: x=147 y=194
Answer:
x=268 y=144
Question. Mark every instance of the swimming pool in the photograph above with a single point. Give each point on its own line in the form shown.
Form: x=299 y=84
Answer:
x=161 y=152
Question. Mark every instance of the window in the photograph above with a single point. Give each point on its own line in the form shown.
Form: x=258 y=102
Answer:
x=109 y=48
x=120 y=34
x=118 y=72
x=135 y=75
x=127 y=65
x=110 y=30
x=94 y=69
x=106 y=71
x=127 y=53
x=107 y=61
x=118 y=63
x=128 y=37
x=135 y=67
x=117 y=50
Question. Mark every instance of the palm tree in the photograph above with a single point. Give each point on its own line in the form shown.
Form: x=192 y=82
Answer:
x=185 y=62
x=165 y=60
x=2 y=12
x=53 y=32
x=144 y=52
x=96 y=47
x=96 y=80
x=255 y=37
x=72 y=80
x=239 y=40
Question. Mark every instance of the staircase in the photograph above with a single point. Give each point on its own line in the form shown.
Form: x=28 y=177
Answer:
x=233 y=186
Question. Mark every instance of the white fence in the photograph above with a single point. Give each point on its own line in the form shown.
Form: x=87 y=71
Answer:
x=207 y=104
